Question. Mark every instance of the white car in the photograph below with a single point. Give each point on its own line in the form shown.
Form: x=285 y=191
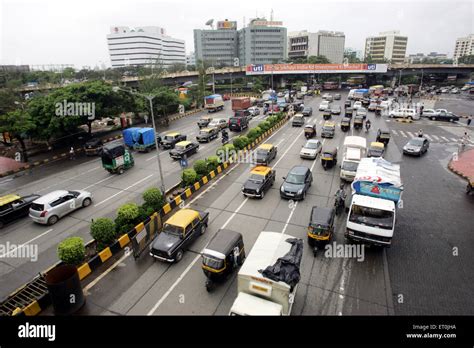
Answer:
x=455 y=91
x=404 y=113
x=219 y=123
x=48 y=209
x=325 y=105
x=357 y=104
x=311 y=149
x=429 y=113
x=254 y=111
x=361 y=112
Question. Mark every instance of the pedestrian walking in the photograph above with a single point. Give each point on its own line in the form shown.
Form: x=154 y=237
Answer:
x=72 y=154
x=421 y=109
x=469 y=121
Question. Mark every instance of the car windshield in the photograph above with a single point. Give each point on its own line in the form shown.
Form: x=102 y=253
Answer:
x=262 y=153
x=328 y=129
x=376 y=152
x=371 y=217
x=212 y=262
x=169 y=137
x=295 y=178
x=416 y=142
x=311 y=145
x=350 y=166
x=172 y=229
x=203 y=132
x=258 y=179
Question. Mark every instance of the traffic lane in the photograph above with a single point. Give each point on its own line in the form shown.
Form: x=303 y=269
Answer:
x=428 y=276
x=456 y=105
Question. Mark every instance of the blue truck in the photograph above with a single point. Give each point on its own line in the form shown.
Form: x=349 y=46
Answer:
x=140 y=139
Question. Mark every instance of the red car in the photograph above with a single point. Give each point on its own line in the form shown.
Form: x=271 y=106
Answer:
x=226 y=97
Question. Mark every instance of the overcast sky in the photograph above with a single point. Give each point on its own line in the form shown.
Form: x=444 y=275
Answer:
x=74 y=31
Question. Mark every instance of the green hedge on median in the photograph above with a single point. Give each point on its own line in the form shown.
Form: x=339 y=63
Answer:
x=103 y=231
x=189 y=177
x=72 y=251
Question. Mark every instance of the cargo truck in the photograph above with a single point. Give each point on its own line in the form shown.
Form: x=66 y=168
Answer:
x=241 y=103
x=354 y=150
x=266 y=285
x=376 y=193
x=214 y=103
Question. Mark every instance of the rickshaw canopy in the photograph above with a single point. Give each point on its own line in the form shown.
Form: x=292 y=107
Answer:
x=222 y=244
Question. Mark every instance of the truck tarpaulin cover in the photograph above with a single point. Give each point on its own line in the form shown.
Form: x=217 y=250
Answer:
x=130 y=135
x=287 y=268
x=147 y=136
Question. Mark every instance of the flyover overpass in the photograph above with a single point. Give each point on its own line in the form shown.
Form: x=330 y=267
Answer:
x=227 y=73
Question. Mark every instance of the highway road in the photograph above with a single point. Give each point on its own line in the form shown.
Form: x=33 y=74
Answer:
x=426 y=271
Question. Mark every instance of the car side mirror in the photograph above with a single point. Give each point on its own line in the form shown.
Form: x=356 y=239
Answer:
x=284 y=177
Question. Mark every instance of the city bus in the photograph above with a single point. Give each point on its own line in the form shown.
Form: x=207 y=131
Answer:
x=330 y=85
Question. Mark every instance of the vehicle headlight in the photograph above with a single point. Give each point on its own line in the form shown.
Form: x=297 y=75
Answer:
x=300 y=191
x=258 y=190
x=282 y=188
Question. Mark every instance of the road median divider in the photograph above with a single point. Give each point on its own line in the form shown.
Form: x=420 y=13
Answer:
x=33 y=297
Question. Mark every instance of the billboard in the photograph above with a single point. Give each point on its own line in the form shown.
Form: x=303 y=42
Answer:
x=266 y=69
x=226 y=25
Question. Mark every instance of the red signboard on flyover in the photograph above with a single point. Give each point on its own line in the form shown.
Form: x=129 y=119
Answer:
x=265 y=69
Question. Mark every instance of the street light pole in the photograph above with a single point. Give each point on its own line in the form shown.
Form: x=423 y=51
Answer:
x=231 y=83
x=150 y=99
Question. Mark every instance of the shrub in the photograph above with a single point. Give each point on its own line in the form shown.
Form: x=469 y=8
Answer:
x=153 y=199
x=265 y=125
x=225 y=152
x=254 y=133
x=72 y=251
x=127 y=217
x=240 y=142
x=212 y=163
x=145 y=211
x=103 y=231
x=200 y=167
x=189 y=177
x=272 y=120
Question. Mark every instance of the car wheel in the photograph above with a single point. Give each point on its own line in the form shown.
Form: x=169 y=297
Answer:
x=451 y=120
x=203 y=229
x=262 y=195
x=120 y=170
x=179 y=256
x=433 y=118
x=52 y=220
x=86 y=202
x=304 y=195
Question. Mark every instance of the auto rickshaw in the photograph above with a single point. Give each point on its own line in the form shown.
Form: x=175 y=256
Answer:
x=376 y=149
x=383 y=137
x=224 y=253
x=327 y=114
x=310 y=131
x=345 y=124
x=320 y=227
x=348 y=112
x=358 y=122
x=378 y=110
x=328 y=158
x=347 y=104
x=116 y=158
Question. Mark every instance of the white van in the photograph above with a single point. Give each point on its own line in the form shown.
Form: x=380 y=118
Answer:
x=404 y=113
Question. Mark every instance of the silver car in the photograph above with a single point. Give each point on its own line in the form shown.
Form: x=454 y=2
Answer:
x=48 y=209
x=311 y=149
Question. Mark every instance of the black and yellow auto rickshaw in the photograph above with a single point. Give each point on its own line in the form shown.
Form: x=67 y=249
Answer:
x=383 y=136
x=348 y=112
x=345 y=124
x=310 y=131
x=224 y=253
x=320 y=227
x=327 y=114
x=347 y=104
x=328 y=158
x=358 y=122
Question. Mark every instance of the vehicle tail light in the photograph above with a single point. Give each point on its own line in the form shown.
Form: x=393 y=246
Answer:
x=43 y=213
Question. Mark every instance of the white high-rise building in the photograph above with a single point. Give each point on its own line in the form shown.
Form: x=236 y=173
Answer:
x=323 y=43
x=144 y=46
x=389 y=45
x=464 y=46
x=191 y=59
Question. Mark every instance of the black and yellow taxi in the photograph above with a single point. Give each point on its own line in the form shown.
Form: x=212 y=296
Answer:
x=345 y=124
x=178 y=233
x=169 y=140
x=376 y=149
x=265 y=153
x=205 y=135
x=13 y=207
x=260 y=180
x=184 y=149
x=204 y=121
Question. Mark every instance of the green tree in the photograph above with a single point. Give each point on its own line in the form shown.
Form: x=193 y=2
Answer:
x=257 y=86
x=19 y=124
x=103 y=231
x=466 y=59
x=7 y=100
x=153 y=199
x=318 y=60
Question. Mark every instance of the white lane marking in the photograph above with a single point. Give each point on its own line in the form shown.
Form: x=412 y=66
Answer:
x=428 y=137
x=107 y=271
x=394 y=132
x=434 y=137
x=20 y=246
x=173 y=286
x=345 y=271
x=125 y=189
x=454 y=139
x=98 y=182
x=72 y=177
x=444 y=138
x=411 y=134
x=403 y=134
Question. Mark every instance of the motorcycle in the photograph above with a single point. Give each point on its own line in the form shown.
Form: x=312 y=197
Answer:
x=225 y=139
x=367 y=127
